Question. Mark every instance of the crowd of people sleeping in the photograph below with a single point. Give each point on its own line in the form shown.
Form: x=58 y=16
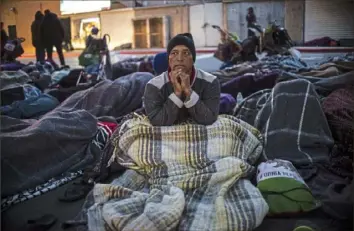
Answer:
x=164 y=145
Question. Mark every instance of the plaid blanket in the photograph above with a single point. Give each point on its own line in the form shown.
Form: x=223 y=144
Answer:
x=292 y=122
x=197 y=178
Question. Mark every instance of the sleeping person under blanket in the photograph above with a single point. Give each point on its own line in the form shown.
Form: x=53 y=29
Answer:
x=183 y=92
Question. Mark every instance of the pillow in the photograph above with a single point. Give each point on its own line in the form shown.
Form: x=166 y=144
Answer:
x=284 y=189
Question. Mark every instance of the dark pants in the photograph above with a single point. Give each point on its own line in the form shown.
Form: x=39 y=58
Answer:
x=59 y=51
x=68 y=45
x=40 y=54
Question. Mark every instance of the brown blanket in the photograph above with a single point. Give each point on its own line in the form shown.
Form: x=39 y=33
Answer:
x=330 y=69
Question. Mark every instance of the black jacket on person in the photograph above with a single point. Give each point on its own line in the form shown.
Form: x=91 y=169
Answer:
x=251 y=19
x=4 y=39
x=36 y=30
x=52 y=31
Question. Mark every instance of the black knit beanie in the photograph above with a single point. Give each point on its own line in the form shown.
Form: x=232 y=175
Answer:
x=185 y=39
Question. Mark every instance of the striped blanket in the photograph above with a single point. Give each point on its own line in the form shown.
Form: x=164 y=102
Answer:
x=185 y=177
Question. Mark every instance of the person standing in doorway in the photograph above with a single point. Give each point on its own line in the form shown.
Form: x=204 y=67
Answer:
x=4 y=39
x=251 y=20
x=36 y=36
x=52 y=34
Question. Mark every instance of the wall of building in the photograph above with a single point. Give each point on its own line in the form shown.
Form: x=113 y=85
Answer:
x=294 y=19
x=118 y=24
x=75 y=19
x=179 y=16
x=25 y=16
x=206 y=14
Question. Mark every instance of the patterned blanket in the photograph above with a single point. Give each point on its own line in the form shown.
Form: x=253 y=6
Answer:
x=291 y=121
x=195 y=177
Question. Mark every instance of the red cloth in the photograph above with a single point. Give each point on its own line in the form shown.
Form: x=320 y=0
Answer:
x=339 y=110
x=109 y=127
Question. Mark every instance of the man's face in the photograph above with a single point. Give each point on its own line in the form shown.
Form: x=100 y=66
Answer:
x=181 y=58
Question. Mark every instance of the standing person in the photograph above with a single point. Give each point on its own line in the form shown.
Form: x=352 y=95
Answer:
x=4 y=39
x=183 y=92
x=68 y=46
x=52 y=34
x=36 y=36
x=251 y=20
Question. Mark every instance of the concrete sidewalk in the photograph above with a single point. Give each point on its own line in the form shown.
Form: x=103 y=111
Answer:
x=201 y=50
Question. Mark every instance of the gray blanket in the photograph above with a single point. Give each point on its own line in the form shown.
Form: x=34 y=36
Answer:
x=34 y=151
x=110 y=98
x=292 y=122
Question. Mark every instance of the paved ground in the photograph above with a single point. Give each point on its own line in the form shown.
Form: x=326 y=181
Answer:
x=72 y=60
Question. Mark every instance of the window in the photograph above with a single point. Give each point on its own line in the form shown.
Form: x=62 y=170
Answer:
x=140 y=33
x=156 y=33
x=148 y=33
x=12 y=31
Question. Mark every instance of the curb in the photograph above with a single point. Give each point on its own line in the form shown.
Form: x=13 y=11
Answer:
x=209 y=51
x=55 y=55
x=154 y=52
x=325 y=49
x=205 y=51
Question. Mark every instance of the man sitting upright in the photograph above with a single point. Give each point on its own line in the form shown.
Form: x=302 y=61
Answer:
x=183 y=92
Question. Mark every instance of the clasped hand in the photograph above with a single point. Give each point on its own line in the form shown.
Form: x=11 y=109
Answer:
x=181 y=83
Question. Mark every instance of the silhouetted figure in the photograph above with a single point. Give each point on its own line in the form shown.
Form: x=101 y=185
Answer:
x=251 y=20
x=4 y=39
x=92 y=36
x=52 y=34
x=36 y=36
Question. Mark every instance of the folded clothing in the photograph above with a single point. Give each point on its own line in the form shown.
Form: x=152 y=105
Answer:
x=227 y=103
x=11 y=66
x=9 y=79
x=18 y=92
x=339 y=110
x=8 y=96
x=284 y=189
x=60 y=74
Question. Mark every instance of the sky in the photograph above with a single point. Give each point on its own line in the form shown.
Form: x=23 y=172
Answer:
x=80 y=6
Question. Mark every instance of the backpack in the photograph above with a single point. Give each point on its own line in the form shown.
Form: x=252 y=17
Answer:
x=92 y=54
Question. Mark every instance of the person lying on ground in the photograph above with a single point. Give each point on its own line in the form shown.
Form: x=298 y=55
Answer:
x=183 y=92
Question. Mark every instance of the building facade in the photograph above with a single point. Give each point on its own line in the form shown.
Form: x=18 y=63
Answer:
x=152 y=23
x=330 y=18
x=19 y=15
x=304 y=19
x=145 y=27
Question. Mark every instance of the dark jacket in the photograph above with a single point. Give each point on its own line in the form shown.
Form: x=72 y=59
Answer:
x=4 y=39
x=52 y=31
x=251 y=18
x=88 y=40
x=36 y=30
